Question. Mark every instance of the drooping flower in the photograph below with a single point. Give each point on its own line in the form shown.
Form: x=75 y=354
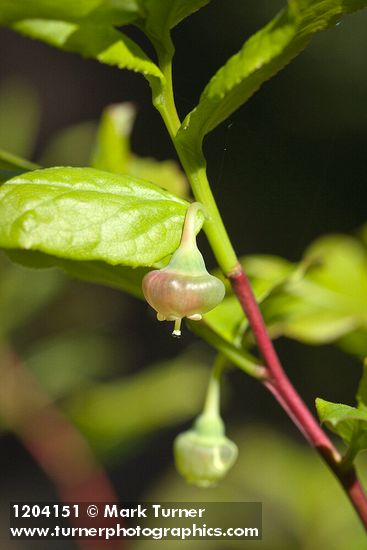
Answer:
x=183 y=288
x=203 y=455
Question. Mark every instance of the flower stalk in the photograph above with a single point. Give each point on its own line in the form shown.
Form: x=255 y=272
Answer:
x=203 y=454
x=183 y=288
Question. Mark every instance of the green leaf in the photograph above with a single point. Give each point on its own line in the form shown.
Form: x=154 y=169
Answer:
x=330 y=301
x=125 y=410
x=95 y=41
x=85 y=27
x=227 y=319
x=125 y=278
x=262 y=56
x=348 y=422
x=71 y=146
x=86 y=214
x=6 y=175
x=266 y=274
x=161 y=16
x=106 y=11
x=355 y=343
x=157 y=15
x=165 y=173
x=113 y=153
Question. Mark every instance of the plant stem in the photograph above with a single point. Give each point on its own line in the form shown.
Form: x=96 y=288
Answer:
x=277 y=381
x=163 y=98
x=188 y=237
x=213 y=225
x=280 y=386
x=195 y=168
x=275 y=378
x=212 y=400
x=238 y=357
x=53 y=442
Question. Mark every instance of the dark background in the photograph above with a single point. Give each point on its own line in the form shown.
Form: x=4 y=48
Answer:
x=287 y=167
x=293 y=156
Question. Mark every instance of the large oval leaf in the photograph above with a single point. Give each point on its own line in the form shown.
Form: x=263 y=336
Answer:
x=87 y=214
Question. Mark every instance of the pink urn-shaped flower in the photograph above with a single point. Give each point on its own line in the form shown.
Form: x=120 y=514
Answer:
x=183 y=288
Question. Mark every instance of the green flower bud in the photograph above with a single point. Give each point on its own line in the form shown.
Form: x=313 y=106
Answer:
x=183 y=288
x=203 y=455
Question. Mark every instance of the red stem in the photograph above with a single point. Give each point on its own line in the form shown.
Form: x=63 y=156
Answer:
x=280 y=386
x=54 y=443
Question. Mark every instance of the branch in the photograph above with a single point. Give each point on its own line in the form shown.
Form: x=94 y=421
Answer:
x=54 y=443
x=280 y=386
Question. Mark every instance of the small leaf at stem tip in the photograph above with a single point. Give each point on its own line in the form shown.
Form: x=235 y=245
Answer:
x=348 y=422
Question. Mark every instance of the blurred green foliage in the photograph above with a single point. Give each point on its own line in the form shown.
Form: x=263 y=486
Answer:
x=118 y=415
x=330 y=300
x=303 y=507
x=113 y=152
x=23 y=293
x=20 y=113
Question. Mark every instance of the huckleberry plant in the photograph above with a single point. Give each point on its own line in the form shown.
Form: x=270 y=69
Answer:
x=97 y=224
